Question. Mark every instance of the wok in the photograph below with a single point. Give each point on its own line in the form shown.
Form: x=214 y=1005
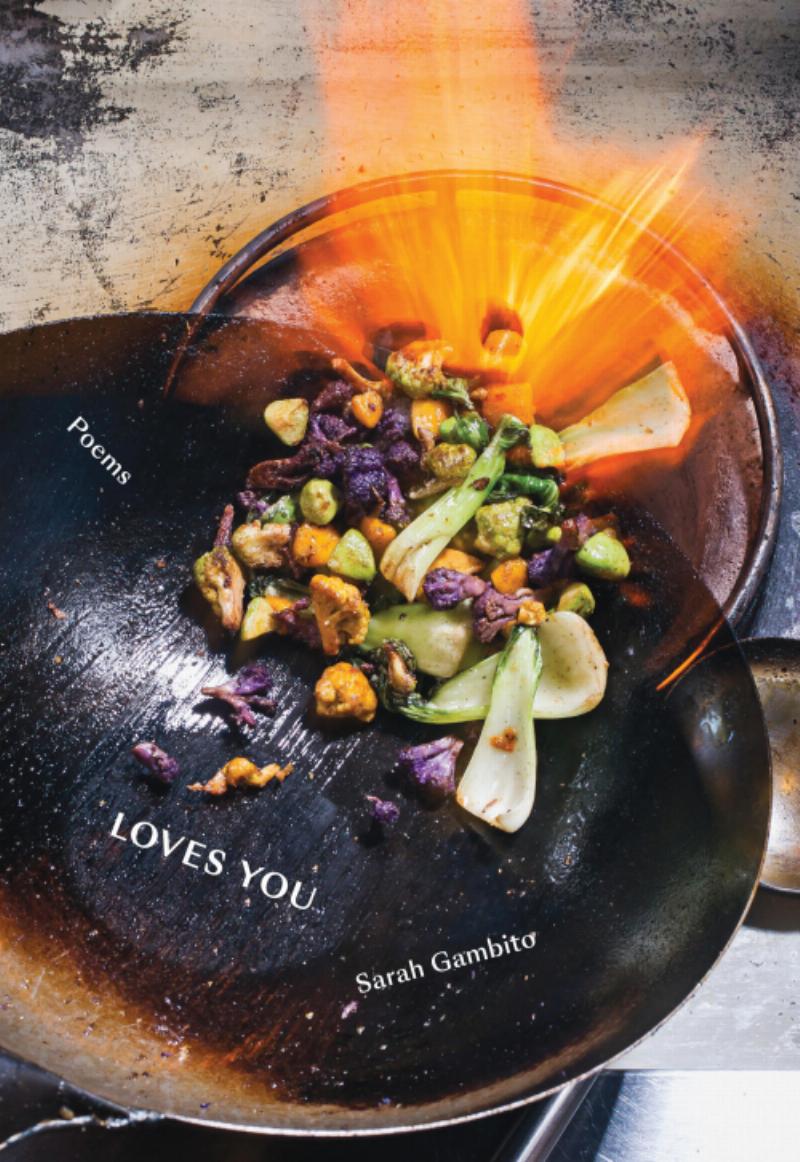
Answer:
x=156 y=985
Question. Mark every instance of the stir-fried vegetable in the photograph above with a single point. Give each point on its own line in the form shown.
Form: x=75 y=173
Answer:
x=288 y=419
x=603 y=556
x=573 y=680
x=654 y=412
x=542 y=489
x=490 y=572
x=438 y=639
x=409 y=556
x=547 y=451
x=501 y=528
x=468 y=428
x=499 y=784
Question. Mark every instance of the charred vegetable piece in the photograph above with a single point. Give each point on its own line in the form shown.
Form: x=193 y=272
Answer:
x=364 y=479
x=576 y=598
x=319 y=501
x=654 y=412
x=604 y=557
x=341 y=612
x=260 y=617
x=288 y=419
x=291 y=473
x=357 y=380
x=411 y=554
x=282 y=511
x=449 y=461
x=393 y=674
x=159 y=765
x=501 y=528
x=495 y=613
x=547 y=451
x=298 y=621
x=261 y=546
x=313 y=545
x=468 y=428
x=245 y=692
x=427 y=417
x=367 y=408
x=344 y=692
x=378 y=533
x=417 y=368
x=334 y=396
x=431 y=766
x=446 y=588
x=458 y=559
x=221 y=582
x=438 y=639
x=454 y=389
x=499 y=784
x=510 y=575
x=353 y=557
x=550 y=565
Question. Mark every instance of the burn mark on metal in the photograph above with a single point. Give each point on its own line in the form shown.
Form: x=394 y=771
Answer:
x=51 y=72
x=735 y=74
x=260 y=996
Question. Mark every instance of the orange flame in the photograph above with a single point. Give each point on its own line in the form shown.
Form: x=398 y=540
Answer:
x=591 y=286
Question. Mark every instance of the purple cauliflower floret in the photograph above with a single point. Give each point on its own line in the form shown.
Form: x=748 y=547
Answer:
x=395 y=424
x=401 y=458
x=431 y=766
x=395 y=509
x=328 y=428
x=383 y=810
x=550 y=565
x=444 y=588
x=290 y=473
x=297 y=624
x=245 y=692
x=334 y=397
x=364 y=481
x=161 y=766
x=256 y=505
x=493 y=611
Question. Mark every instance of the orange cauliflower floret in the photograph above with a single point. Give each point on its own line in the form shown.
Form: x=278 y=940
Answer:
x=242 y=772
x=341 y=612
x=343 y=692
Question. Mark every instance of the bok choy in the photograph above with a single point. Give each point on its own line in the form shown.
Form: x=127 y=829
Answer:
x=499 y=784
x=413 y=551
x=572 y=682
x=654 y=412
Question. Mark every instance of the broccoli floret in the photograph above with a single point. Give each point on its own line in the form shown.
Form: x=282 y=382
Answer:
x=501 y=527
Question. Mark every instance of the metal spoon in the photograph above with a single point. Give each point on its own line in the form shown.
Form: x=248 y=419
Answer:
x=775 y=664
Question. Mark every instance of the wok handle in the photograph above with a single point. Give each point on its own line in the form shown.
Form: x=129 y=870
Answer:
x=536 y=1135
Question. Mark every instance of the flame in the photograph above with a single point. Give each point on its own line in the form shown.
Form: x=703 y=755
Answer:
x=589 y=282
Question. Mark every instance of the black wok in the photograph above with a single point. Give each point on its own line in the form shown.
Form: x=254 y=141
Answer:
x=158 y=985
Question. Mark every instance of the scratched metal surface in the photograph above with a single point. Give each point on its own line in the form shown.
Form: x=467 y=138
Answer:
x=143 y=141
